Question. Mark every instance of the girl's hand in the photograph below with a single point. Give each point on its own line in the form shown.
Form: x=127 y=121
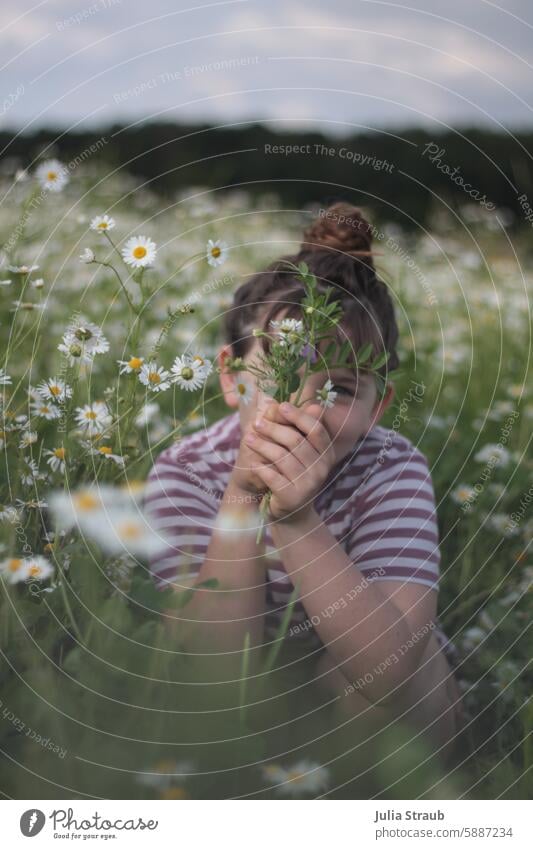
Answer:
x=243 y=476
x=294 y=458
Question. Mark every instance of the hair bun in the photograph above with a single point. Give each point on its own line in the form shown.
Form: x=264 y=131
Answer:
x=341 y=227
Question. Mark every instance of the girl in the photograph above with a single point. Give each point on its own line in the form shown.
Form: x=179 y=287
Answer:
x=351 y=518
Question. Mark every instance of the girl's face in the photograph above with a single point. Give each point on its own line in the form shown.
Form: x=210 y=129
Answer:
x=355 y=410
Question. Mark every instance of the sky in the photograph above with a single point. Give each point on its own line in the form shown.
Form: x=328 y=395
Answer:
x=338 y=66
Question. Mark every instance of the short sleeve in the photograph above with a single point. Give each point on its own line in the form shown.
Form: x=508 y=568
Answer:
x=394 y=532
x=180 y=505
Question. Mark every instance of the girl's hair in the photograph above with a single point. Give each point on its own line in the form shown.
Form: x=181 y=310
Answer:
x=337 y=248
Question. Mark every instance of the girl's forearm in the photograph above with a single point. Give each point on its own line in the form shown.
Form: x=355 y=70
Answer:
x=357 y=623
x=224 y=615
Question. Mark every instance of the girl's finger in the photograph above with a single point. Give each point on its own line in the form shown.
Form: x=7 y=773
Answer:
x=309 y=424
x=271 y=477
x=278 y=455
x=290 y=437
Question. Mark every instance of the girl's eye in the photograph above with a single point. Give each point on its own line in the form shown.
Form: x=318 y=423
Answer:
x=338 y=388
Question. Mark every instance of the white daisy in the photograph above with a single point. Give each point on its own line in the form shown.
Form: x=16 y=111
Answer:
x=54 y=389
x=29 y=472
x=463 y=493
x=494 y=454
x=119 y=530
x=102 y=223
x=217 y=252
x=56 y=459
x=93 y=418
x=501 y=524
x=45 y=410
x=52 y=175
x=188 y=373
x=22 y=269
x=6 y=282
x=302 y=779
x=27 y=306
x=139 y=251
x=289 y=330
x=14 y=569
x=326 y=395
x=203 y=363
x=244 y=390
x=82 y=341
x=10 y=514
x=154 y=376
x=87 y=256
x=147 y=414
x=106 y=452
x=38 y=284
x=133 y=364
x=39 y=568
x=70 y=508
x=5 y=379
x=27 y=438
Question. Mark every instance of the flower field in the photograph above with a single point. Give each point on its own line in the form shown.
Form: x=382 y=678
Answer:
x=110 y=304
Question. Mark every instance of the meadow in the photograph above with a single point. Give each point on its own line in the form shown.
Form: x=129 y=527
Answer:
x=110 y=305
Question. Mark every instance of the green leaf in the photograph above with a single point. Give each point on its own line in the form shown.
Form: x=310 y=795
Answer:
x=364 y=353
x=380 y=360
x=294 y=383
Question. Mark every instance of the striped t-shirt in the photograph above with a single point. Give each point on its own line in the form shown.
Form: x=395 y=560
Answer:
x=378 y=502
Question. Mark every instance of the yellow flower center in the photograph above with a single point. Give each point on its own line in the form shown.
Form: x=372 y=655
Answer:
x=85 y=501
x=215 y=252
x=14 y=564
x=59 y=453
x=187 y=373
x=135 y=362
x=139 y=252
x=129 y=530
x=241 y=388
x=102 y=225
x=154 y=377
x=45 y=409
x=175 y=793
x=294 y=775
x=55 y=390
x=200 y=360
x=105 y=449
x=90 y=414
x=35 y=571
x=52 y=175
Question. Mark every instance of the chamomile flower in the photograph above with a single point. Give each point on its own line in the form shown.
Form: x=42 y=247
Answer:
x=464 y=494
x=27 y=438
x=139 y=252
x=493 y=454
x=38 y=284
x=119 y=530
x=9 y=514
x=39 y=568
x=5 y=379
x=326 y=395
x=502 y=524
x=102 y=223
x=106 y=452
x=93 y=418
x=203 y=363
x=217 y=252
x=87 y=256
x=134 y=364
x=71 y=508
x=45 y=410
x=54 y=389
x=188 y=373
x=6 y=282
x=52 y=175
x=155 y=377
x=56 y=459
x=29 y=472
x=22 y=269
x=244 y=390
x=289 y=330
x=14 y=569
x=82 y=340
x=303 y=779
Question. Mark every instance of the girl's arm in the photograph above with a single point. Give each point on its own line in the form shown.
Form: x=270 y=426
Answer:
x=218 y=619
x=374 y=628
